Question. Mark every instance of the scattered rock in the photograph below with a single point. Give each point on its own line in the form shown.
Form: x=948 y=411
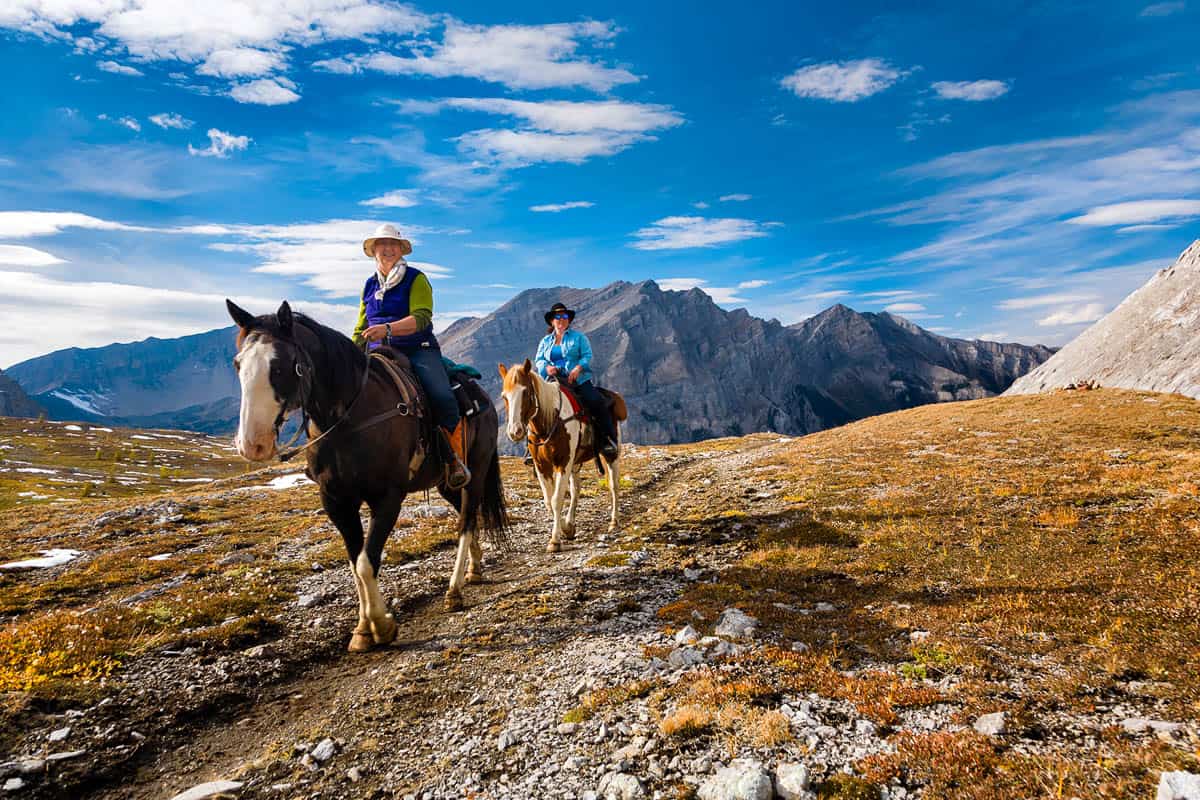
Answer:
x=620 y=786
x=743 y=779
x=14 y=785
x=736 y=624
x=324 y=750
x=65 y=756
x=567 y=729
x=210 y=789
x=264 y=651
x=238 y=557
x=1142 y=725
x=685 y=657
x=60 y=734
x=691 y=574
x=791 y=781
x=686 y=635
x=506 y=739
x=991 y=724
x=1178 y=786
x=825 y=608
x=310 y=600
x=354 y=774
x=916 y=637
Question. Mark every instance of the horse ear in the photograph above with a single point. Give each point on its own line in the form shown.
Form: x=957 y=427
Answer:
x=527 y=366
x=243 y=318
x=284 y=316
x=503 y=369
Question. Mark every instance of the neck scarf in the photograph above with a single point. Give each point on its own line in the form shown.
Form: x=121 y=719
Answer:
x=391 y=279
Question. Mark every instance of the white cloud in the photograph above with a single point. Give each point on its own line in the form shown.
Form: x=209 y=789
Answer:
x=1073 y=315
x=117 y=69
x=892 y=295
x=265 y=92
x=554 y=208
x=326 y=255
x=675 y=233
x=129 y=122
x=735 y=198
x=700 y=204
x=971 y=90
x=511 y=149
x=517 y=56
x=1163 y=9
x=20 y=256
x=171 y=120
x=1038 y=301
x=103 y=312
x=23 y=224
x=241 y=62
x=904 y=308
x=721 y=295
x=1138 y=212
x=562 y=116
x=221 y=144
x=755 y=284
x=843 y=82
x=553 y=130
x=399 y=198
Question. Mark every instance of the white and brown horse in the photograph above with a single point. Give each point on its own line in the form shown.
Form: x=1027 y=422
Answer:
x=370 y=444
x=560 y=443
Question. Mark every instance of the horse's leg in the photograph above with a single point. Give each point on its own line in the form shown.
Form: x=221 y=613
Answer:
x=569 y=526
x=383 y=517
x=614 y=484
x=474 y=554
x=560 y=486
x=345 y=517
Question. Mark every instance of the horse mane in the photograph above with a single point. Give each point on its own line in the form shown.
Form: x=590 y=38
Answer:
x=343 y=358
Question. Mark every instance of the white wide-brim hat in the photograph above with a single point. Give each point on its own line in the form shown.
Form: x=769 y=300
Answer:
x=386 y=231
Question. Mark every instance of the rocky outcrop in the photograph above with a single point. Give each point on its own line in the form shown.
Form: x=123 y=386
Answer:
x=1151 y=341
x=13 y=400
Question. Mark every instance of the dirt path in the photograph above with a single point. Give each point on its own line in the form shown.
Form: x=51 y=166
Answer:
x=429 y=715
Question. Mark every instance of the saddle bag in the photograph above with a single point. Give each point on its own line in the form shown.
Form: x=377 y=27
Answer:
x=469 y=394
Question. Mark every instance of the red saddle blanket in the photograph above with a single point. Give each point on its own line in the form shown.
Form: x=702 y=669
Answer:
x=576 y=406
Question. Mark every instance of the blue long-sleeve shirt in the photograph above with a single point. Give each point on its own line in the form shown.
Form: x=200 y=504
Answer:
x=576 y=352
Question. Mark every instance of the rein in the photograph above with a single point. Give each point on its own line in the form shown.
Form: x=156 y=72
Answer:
x=534 y=438
x=401 y=409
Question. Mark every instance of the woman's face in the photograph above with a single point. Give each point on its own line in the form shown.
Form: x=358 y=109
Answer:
x=560 y=323
x=387 y=253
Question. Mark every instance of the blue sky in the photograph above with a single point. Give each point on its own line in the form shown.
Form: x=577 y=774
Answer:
x=1002 y=170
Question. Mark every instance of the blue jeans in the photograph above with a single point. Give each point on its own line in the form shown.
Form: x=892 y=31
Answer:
x=431 y=372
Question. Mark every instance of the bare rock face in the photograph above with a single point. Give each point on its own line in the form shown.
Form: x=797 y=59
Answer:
x=691 y=370
x=1151 y=341
x=13 y=400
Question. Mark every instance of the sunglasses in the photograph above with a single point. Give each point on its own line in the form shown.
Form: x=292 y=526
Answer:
x=562 y=316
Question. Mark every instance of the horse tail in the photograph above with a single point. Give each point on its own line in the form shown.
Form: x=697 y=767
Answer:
x=492 y=510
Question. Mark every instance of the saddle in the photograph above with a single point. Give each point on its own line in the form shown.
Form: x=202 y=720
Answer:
x=580 y=411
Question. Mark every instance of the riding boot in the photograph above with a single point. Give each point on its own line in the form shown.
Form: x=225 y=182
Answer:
x=457 y=474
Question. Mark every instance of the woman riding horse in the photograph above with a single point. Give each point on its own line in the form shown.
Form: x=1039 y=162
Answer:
x=397 y=310
x=565 y=355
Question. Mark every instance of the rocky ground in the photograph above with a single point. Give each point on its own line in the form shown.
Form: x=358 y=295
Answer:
x=633 y=664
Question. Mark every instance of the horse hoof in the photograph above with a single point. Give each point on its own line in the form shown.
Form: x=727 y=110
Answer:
x=554 y=547
x=474 y=577
x=569 y=533
x=454 y=601
x=360 y=643
x=385 y=633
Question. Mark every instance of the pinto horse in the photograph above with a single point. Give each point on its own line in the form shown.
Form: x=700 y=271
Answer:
x=559 y=441
x=364 y=447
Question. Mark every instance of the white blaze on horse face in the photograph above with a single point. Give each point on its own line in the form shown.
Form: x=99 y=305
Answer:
x=515 y=427
x=255 y=439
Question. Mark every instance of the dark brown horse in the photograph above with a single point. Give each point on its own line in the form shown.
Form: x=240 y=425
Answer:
x=366 y=445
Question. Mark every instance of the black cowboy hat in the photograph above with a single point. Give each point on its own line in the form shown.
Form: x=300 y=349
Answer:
x=559 y=307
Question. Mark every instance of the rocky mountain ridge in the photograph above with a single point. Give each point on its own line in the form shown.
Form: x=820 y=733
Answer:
x=1147 y=342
